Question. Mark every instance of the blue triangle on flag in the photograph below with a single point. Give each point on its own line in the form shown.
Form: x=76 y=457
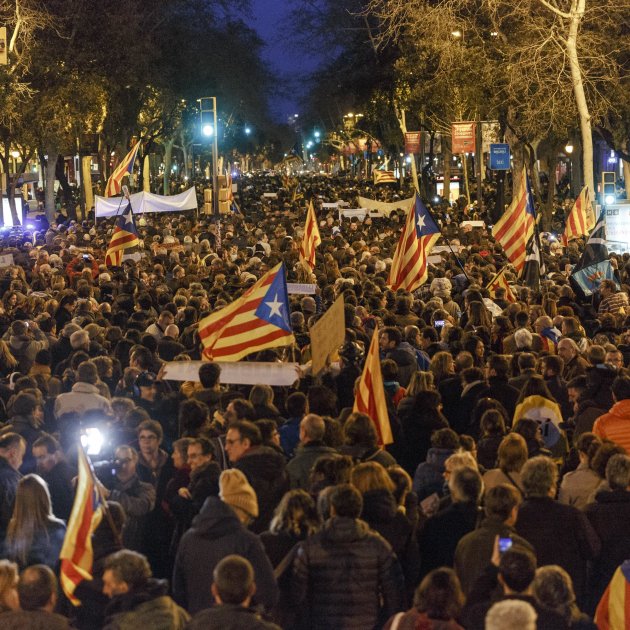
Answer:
x=274 y=308
x=425 y=225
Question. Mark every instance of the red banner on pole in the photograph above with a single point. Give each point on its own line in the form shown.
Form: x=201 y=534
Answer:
x=463 y=137
x=412 y=142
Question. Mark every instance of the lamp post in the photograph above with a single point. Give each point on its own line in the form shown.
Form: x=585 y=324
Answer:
x=207 y=107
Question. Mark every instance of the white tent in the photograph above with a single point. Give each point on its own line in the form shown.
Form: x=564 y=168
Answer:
x=147 y=202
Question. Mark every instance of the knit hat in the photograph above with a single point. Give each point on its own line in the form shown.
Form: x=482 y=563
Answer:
x=234 y=489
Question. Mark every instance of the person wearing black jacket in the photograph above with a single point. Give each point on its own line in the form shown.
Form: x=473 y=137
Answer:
x=338 y=571
x=513 y=573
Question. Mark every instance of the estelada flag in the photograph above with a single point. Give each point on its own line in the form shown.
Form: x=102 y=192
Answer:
x=420 y=232
x=370 y=396
x=514 y=229
x=581 y=219
x=76 y=554
x=384 y=177
x=259 y=319
x=613 y=610
x=114 y=183
x=311 y=238
x=125 y=236
x=500 y=282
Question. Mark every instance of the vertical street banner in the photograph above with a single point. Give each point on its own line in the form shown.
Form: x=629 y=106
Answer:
x=412 y=142
x=463 y=137
x=499 y=157
x=4 y=59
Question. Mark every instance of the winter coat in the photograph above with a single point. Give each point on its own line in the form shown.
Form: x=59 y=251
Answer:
x=83 y=398
x=615 y=425
x=266 y=472
x=137 y=499
x=584 y=418
x=342 y=573
x=578 y=485
x=24 y=426
x=495 y=476
x=33 y=620
x=381 y=513
x=299 y=468
x=414 y=620
x=609 y=516
x=278 y=545
x=9 y=478
x=560 y=534
x=149 y=607
x=290 y=435
x=216 y=532
x=471 y=394
x=442 y=533
x=25 y=348
x=474 y=550
x=59 y=480
x=488 y=450
x=405 y=359
x=600 y=379
x=428 y=477
x=505 y=393
x=45 y=546
x=230 y=617
x=418 y=424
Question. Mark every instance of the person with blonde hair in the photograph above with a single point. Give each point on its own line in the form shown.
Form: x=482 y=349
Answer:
x=8 y=363
x=34 y=535
x=421 y=381
x=8 y=587
x=442 y=367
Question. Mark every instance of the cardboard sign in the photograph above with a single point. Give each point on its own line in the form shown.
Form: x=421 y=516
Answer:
x=473 y=224
x=237 y=373
x=327 y=334
x=270 y=195
x=296 y=288
x=434 y=259
x=330 y=205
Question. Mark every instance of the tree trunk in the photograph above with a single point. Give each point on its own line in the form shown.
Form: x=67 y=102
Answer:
x=86 y=177
x=67 y=189
x=580 y=96
x=168 y=156
x=146 y=173
x=51 y=177
x=626 y=169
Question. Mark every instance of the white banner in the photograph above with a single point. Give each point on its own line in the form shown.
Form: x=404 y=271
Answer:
x=296 y=288
x=147 y=202
x=237 y=373
x=385 y=208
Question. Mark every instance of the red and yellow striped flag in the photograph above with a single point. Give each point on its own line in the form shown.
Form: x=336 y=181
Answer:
x=259 y=319
x=514 y=229
x=613 y=610
x=125 y=236
x=581 y=219
x=384 y=177
x=420 y=232
x=114 y=183
x=311 y=238
x=500 y=282
x=370 y=396
x=76 y=554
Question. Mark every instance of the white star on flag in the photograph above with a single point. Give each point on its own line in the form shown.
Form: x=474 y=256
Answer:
x=420 y=222
x=274 y=307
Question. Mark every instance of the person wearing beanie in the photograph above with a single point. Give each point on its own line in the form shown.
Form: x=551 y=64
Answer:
x=234 y=489
x=219 y=531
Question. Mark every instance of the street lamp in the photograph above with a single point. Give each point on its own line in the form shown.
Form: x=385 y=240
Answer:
x=207 y=108
x=247 y=131
x=317 y=134
x=569 y=148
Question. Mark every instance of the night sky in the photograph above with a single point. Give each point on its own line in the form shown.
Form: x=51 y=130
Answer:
x=282 y=54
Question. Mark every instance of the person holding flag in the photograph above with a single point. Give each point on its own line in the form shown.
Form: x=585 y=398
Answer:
x=125 y=237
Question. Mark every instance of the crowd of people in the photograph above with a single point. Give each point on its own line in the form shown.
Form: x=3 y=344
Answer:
x=500 y=504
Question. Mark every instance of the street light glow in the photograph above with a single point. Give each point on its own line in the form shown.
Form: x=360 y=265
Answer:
x=316 y=134
x=207 y=130
x=609 y=199
x=457 y=34
x=569 y=148
x=247 y=131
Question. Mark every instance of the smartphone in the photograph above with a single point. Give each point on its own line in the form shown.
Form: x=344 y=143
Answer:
x=439 y=323
x=504 y=545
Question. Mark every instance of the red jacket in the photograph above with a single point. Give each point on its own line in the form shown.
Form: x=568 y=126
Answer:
x=615 y=425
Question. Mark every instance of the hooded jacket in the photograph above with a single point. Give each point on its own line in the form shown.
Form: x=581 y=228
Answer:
x=265 y=470
x=216 y=532
x=146 y=607
x=25 y=348
x=615 y=425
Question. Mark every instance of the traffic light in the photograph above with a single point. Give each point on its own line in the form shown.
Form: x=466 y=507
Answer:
x=608 y=187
